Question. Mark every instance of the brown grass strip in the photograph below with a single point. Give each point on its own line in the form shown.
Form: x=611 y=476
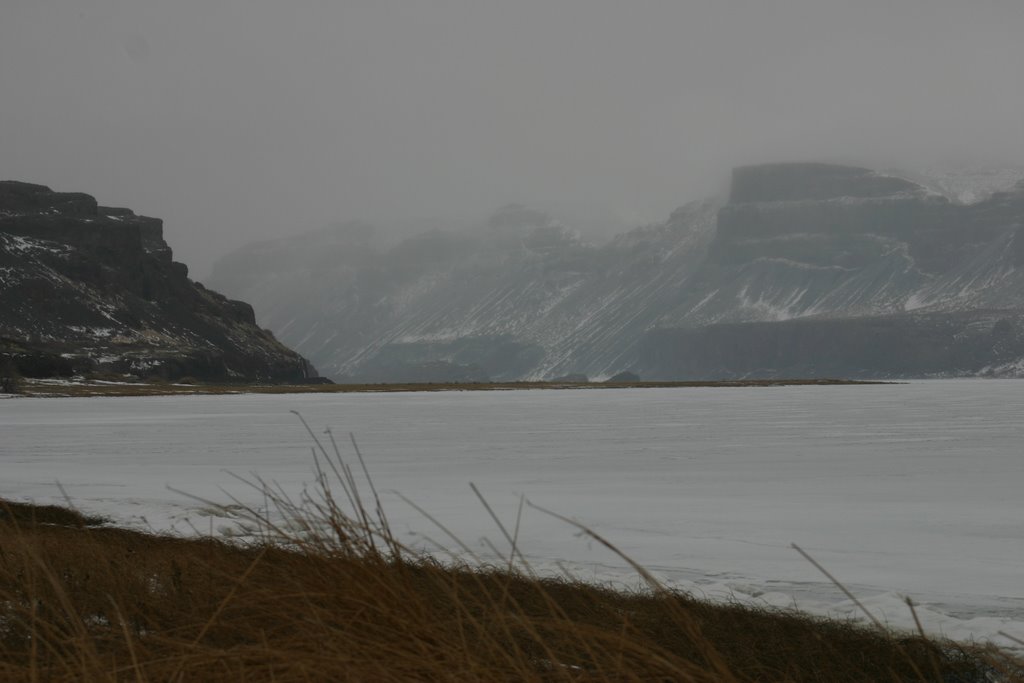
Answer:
x=100 y=603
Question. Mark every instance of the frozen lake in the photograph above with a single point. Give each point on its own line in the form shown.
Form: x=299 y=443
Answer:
x=911 y=489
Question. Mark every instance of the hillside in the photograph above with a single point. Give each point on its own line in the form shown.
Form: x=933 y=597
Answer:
x=93 y=289
x=714 y=292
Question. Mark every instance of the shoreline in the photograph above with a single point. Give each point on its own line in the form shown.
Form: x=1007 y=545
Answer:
x=84 y=388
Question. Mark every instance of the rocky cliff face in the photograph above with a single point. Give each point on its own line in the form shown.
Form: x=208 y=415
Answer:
x=861 y=253
x=806 y=269
x=87 y=288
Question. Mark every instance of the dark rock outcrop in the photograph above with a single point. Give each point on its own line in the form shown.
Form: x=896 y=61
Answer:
x=807 y=181
x=623 y=378
x=982 y=343
x=86 y=288
x=425 y=372
x=572 y=378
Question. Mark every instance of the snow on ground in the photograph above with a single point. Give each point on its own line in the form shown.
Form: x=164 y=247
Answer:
x=898 y=490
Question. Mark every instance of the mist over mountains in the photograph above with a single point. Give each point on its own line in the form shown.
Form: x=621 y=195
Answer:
x=805 y=269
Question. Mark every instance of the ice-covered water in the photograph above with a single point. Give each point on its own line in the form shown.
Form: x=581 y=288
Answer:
x=910 y=489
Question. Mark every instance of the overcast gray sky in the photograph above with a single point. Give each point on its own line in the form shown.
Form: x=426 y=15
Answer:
x=236 y=120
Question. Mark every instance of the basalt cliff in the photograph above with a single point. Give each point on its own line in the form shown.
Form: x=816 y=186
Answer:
x=93 y=289
x=805 y=269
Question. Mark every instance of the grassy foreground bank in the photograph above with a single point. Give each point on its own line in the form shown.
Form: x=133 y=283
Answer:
x=343 y=602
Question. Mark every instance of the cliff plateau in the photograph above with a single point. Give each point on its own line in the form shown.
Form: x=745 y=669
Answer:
x=93 y=289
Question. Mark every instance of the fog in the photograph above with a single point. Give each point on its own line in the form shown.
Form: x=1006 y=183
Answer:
x=236 y=120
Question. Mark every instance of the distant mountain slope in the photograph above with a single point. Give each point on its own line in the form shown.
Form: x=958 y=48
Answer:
x=526 y=299
x=521 y=300
x=87 y=288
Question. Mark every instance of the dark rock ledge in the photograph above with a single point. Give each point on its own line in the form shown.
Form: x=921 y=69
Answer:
x=91 y=289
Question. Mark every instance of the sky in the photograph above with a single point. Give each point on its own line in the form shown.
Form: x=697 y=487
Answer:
x=238 y=120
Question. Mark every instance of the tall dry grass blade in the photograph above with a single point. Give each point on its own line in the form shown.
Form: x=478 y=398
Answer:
x=853 y=598
x=85 y=651
x=337 y=473
x=227 y=598
x=1006 y=635
x=683 y=619
x=333 y=514
x=360 y=510
x=33 y=653
x=310 y=431
x=494 y=549
x=139 y=674
x=290 y=511
x=433 y=520
x=913 y=613
x=920 y=631
x=515 y=532
x=209 y=504
x=433 y=545
x=569 y=576
x=648 y=578
x=504 y=531
x=376 y=498
x=67 y=499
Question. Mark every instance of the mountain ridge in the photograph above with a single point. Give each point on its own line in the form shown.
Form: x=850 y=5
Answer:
x=532 y=301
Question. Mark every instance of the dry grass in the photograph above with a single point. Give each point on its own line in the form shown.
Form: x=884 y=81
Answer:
x=109 y=604
x=328 y=594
